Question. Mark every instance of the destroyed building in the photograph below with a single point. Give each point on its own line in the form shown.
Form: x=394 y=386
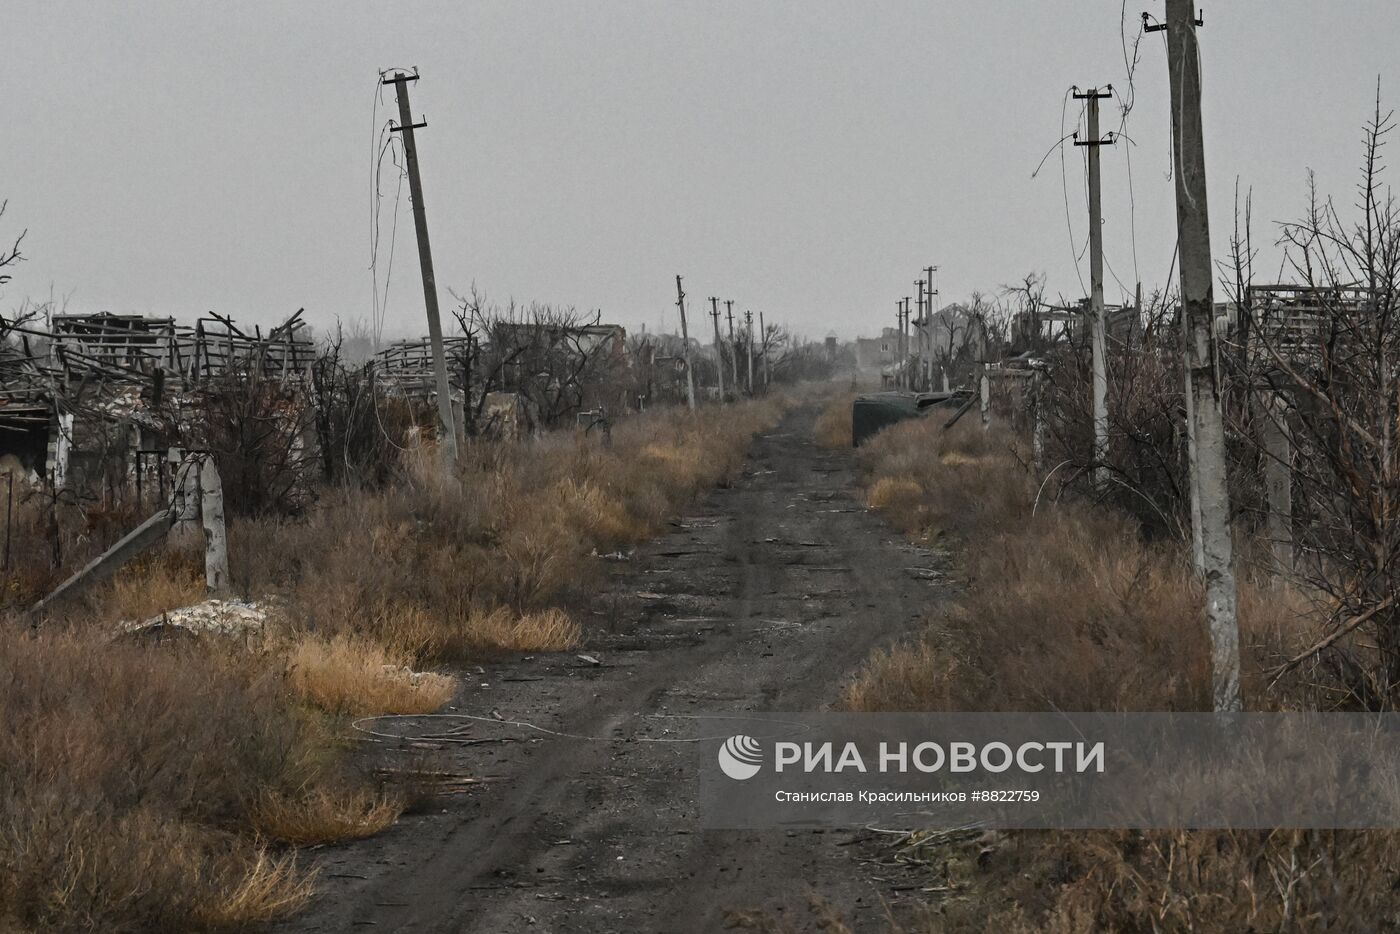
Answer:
x=514 y=376
x=93 y=402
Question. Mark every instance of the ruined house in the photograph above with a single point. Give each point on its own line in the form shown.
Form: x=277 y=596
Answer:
x=511 y=377
x=93 y=403
x=874 y=355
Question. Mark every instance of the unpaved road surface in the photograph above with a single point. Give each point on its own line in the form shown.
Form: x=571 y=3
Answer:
x=765 y=598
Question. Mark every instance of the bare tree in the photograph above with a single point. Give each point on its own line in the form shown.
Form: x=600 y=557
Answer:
x=560 y=360
x=1027 y=299
x=11 y=256
x=1330 y=349
x=360 y=429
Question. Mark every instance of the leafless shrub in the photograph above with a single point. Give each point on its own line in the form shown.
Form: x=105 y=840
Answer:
x=1067 y=606
x=1335 y=371
x=361 y=431
x=560 y=360
x=1064 y=882
x=259 y=431
x=1147 y=454
x=124 y=770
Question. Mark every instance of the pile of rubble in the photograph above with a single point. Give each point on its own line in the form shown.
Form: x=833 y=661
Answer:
x=232 y=618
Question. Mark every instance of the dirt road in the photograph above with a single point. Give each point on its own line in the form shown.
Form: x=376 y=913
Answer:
x=763 y=599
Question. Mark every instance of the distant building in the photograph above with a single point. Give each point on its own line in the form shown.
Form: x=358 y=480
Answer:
x=874 y=354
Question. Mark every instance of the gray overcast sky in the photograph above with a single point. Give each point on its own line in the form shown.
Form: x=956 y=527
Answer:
x=801 y=158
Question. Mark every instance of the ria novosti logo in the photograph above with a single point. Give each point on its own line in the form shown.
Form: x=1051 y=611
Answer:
x=740 y=757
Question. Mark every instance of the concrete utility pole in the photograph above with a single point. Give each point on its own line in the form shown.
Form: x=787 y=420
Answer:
x=748 y=333
x=733 y=347
x=211 y=516
x=685 y=345
x=1198 y=314
x=406 y=127
x=928 y=337
x=904 y=344
x=719 y=347
x=899 y=339
x=984 y=395
x=919 y=335
x=898 y=330
x=1096 y=312
x=763 y=346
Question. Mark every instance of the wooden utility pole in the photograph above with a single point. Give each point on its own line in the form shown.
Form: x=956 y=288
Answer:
x=719 y=347
x=748 y=332
x=1198 y=314
x=685 y=346
x=406 y=127
x=1096 y=311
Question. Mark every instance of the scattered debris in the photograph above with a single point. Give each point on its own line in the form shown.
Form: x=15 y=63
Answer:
x=218 y=617
x=406 y=673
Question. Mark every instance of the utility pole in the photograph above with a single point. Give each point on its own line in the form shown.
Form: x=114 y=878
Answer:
x=898 y=329
x=919 y=337
x=928 y=342
x=748 y=328
x=763 y=337
x=733 y=345
x=685 y=346
x=1096 y=312
x=719 y=348
x=1198 y=313
x=406 y=127
x=904 y=344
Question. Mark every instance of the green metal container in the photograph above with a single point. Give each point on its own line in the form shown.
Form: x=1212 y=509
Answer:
x=870 y=414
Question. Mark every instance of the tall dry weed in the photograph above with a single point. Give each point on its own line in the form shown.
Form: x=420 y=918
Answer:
x=456 y=567
x=833 y=426
x=1066 y=606
x=351 y=674
x=122 y=768
x=139 y=781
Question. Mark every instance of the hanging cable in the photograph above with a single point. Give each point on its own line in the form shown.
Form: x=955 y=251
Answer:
x=1064 y=181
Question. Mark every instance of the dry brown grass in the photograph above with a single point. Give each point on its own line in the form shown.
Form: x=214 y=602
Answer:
x=350 y=674
x=124 y=766
x=901 y=500
x=164 y=580
x=1071 y=882
x=457 y=568
x=1070 y=608
x=1065 y=607
x=266 y=889
x=140 y=784
x=1069 y=611
x=548 y=630
x=325 y=814
x=832 y=428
